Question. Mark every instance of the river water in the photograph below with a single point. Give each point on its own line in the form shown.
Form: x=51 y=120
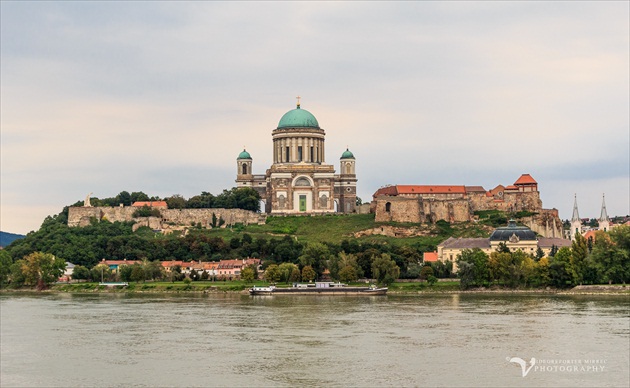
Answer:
x=233 y=340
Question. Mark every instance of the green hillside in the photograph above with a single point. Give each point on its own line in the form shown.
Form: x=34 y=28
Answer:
x=336 y=228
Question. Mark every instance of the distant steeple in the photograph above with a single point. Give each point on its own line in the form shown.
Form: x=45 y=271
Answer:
x=604 y=215
x=576 y=215
x=576 y=223
x=604 y=221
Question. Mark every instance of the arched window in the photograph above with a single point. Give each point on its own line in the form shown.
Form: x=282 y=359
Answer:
x=348 y=168
x=388 y=207
x=244 y=168
x=302 y=182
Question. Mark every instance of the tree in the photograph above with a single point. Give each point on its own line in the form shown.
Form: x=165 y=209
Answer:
x=295 y=276
x=560 y=269
x=124 y=197
x=426 y=271
x=476 y=272
x=5 y=267
x=611 y=253
x=176 y=201
x=80 y=272
x=272 y=273
x=125 y=272
x=348 y=274
x=541 y=273
x=100 y=272
x=285 y=270
x=539 y=254
x=385 y=270
x=315 y=255
x=308 y=273
x=137 y=273
x=247 y=274
x=579 y=252
x=152 y=269
x=41 y=269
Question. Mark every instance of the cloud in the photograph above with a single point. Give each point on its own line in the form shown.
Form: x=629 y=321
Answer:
x=161 y=97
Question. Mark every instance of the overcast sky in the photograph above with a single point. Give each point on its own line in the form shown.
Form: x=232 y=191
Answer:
x=161 y=97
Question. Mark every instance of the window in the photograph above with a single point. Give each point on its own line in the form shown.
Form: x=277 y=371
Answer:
x=312 y=159
x=286 y=159
x=244 y=169
x=388 y=207
x=299 y=153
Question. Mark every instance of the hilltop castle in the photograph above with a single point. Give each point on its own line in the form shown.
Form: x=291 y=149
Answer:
x=424 y=203
x=299 y=181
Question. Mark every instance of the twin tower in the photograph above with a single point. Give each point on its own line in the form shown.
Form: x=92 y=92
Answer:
x=299 y=181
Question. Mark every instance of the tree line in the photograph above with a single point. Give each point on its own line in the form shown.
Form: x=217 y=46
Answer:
x=244 y=198
x=606 y=259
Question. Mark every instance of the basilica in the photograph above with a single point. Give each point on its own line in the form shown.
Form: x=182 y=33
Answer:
x=299 y=181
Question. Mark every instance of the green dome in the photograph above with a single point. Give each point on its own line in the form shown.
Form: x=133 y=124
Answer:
x=298 y=118
x=347 y=154
x=244 y=155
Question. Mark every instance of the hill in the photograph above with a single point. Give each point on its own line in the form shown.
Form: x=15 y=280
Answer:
x=8 y=238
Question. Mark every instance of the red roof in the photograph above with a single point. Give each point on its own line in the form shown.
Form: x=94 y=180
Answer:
x=511 y=187
x=475 y=189
x=525 y=179
x=590 y=233
x=430 y=256
x=424 y=189
x=150 y=204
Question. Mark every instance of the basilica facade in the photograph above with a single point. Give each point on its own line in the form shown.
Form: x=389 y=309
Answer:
x=299 y=181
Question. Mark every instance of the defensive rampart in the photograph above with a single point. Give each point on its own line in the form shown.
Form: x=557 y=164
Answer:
x=81 y=216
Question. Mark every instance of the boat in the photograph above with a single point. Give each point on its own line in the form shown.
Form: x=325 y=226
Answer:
x=318 y=288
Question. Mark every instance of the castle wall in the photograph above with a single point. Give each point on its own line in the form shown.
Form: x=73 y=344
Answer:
x=80 y=216
x=401 y=209
x=452 y=210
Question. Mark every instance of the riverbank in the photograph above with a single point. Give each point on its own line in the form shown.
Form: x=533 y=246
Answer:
x=402 y=288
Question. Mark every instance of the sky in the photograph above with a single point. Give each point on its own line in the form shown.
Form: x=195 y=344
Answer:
x=161 y=97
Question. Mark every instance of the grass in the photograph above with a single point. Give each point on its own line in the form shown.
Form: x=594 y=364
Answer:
x=410 y=287
x=336 y=228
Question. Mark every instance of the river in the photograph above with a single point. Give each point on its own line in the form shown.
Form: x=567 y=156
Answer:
x=233 y=340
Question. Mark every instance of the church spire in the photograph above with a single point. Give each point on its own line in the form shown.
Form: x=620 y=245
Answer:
x=576 y=215
x=604 y=215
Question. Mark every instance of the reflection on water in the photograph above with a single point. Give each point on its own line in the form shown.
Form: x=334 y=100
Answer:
x=238 y=340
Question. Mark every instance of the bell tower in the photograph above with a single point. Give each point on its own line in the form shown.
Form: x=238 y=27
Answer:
x=604 y=221
x=346 y=185
x=576 y=223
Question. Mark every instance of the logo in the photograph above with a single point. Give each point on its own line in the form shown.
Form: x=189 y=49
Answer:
x=523 y=364
x=569 y=365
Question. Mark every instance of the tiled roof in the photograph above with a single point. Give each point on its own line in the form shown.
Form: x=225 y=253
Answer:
x=547 y=242
x=430 y=256
x=389 y=190
x=120 y=262
x=525 y=179
x=590 y=233
x=465 y=243
x=150 y=204
x=511 y=187
x=172 y=263
x=475 y=189
x=424 y=189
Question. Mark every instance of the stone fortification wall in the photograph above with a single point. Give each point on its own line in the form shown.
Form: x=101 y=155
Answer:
x=399 y=209
x=451 y=210
x=81 y=216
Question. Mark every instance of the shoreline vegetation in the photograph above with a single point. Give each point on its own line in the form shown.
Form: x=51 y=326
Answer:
x=239 y=287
